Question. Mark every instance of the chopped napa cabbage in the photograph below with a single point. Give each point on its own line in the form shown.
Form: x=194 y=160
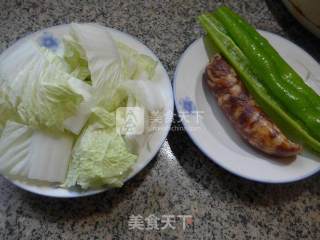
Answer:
x=75 y=57
x=99 y=157
x=41 y=91
x=14 y=149
x=48 y=103
x=110 y=64
x=76 y=122
x=108 y=119
x=6 y=111
x=5 y=115
x=91 y=81
x=14 y=61
x=134 y=65
x=11 y=63
x=119 y=99
x=103 y=59
x=55 y=60
x=145 y=94
x=34 y=154
x=104 y=63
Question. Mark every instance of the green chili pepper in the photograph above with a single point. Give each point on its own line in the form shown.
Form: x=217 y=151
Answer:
x=241 y=64
x=285 y=70
x=268 y=74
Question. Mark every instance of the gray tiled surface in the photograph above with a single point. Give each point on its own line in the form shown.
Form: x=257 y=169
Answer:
x=180 y=180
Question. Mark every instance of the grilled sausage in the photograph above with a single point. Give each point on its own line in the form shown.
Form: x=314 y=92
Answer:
x=240 y=108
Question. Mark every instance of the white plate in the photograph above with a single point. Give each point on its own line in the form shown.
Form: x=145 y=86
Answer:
x=51 y=38
x=213 y=134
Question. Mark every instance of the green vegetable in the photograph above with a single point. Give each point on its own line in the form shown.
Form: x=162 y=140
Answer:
x=34 y=154
x=75 y=57
x=6 y=111
x=78 y=120
x=103 y=60
x=267 y=73
x=47 y=99
x=285 y=70
x=108 y=119
x=110 y=63
x=80 y=92
x=100 y=157
x=240 y=62
x=135 y=65
x=40 y=93
x=144 y=92
x=120 y=77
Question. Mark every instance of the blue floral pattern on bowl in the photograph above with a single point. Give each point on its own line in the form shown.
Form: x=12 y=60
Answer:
x=187 y=105
x=47 y=40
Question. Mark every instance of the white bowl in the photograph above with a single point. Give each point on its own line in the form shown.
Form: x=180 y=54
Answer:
x=50 y=38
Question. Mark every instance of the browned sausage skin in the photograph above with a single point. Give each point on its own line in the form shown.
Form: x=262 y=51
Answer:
x=240 y=108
